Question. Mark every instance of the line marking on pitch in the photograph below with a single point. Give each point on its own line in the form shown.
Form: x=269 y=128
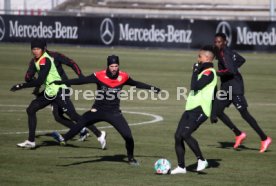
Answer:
x=156 y=118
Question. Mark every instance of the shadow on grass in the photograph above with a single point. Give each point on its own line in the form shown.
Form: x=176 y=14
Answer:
x=114 y=158
x=212 y=163
x=54 y=143
x=229 y=145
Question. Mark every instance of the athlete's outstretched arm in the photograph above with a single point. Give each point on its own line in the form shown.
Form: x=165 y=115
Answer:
x=78 y=81
x=141 y=85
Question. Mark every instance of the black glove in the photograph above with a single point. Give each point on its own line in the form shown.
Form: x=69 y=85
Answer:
x=57 y=82
x=36 y=91
x=213 y=119
x=196 y=68
x=16 y=87
x=156 y=90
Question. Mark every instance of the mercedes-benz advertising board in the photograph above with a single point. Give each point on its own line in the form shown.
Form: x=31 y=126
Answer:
x=138 y=32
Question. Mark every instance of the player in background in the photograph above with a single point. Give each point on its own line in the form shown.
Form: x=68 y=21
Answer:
x=198 y=109
x=58 y=112
x=47 y=72
x=229 y=63
x=107 y=103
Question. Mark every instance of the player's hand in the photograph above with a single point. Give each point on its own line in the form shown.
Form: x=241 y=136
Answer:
x=16 y=87
x=57 y=82
x=156 y=90
x=214 y=120
x=196 y=68
x=36 y=91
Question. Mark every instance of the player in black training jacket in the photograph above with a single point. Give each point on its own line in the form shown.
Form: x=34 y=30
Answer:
x=229 y=63
x=58 y=112
x=107 y=103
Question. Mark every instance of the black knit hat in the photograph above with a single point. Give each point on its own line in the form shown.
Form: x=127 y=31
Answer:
x=113 y=59
x=38 y=44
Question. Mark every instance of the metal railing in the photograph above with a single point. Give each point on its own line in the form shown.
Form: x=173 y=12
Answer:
x=202 y=16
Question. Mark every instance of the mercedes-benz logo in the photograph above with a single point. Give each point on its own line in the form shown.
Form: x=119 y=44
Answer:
x=225 y=28
x=107 y=31
x=2 y=28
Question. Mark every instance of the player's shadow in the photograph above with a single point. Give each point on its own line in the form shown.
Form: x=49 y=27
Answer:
x=115 y=158
x=212 y=163
x=229 y=145
x=54 y=143
x=42 y=135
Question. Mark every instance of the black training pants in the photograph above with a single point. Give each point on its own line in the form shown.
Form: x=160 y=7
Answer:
x=189 y=122
x=41 y=102
x=241 y=105
x=115 y=118
x=59 y=117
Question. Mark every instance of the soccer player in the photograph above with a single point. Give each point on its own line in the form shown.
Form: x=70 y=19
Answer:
x=198 y=109
x=47 y=72
x=58 y=112
x=107 y=103
x=228 y=64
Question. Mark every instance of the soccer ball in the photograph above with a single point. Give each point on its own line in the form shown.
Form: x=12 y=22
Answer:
x=162 y=166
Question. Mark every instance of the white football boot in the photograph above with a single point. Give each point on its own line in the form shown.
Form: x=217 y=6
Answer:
x=179 y=170
x=201 y=165
x=102 y=139
x=26 y=144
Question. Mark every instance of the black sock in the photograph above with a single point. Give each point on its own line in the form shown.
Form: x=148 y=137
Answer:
x=200 y=158
x=181 y=165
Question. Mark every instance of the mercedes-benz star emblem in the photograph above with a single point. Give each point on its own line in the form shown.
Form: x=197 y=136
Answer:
x=107 y=31
x=225 y=28
x=2 y=28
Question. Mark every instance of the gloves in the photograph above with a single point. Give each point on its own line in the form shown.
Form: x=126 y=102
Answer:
x=213 y=119
x=16 y=87
x=36 y=91
x=196 y=68
x=156 y=90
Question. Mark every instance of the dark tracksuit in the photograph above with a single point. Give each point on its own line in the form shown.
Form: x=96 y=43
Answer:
x=192 y=119
x=228 y=64
x=107 y=105
x=59 y=60
x=43 y=100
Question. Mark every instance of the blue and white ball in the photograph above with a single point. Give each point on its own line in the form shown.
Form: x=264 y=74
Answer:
x=162 y=166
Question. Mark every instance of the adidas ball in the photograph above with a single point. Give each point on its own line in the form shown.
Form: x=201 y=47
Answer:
x=162 y=166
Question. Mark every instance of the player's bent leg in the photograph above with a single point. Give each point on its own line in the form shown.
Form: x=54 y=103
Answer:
x=58 y=115
x=253 y=123
x=120 y=124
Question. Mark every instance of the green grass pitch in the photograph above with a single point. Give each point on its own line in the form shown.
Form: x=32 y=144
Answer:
x=84 y=163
